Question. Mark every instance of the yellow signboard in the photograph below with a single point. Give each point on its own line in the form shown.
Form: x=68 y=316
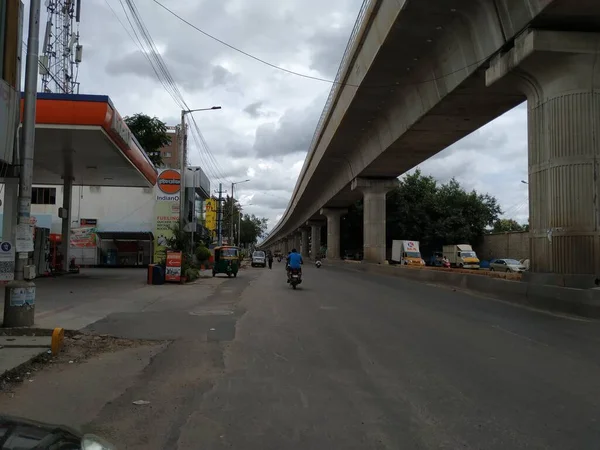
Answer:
x=210 y=215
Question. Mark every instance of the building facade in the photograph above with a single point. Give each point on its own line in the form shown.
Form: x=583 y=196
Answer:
x=170 y=153
x=118 y=226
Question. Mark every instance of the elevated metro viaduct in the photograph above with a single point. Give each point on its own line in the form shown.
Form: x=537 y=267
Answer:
x=419 y=76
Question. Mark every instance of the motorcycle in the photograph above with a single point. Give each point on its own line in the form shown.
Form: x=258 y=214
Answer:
x=27 y=434
x=318 y=264
x=279 y=259
x=295 y=277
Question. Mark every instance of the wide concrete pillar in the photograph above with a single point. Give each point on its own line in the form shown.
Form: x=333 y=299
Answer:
x=66 y=222
x=285 y=246
x=374 y=192
x=304 y=250
x=560 y=75
x=297 y=240
x=333 y=230
x=315 y=238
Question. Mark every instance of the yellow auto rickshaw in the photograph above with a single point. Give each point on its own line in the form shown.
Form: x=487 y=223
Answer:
x=227 y=260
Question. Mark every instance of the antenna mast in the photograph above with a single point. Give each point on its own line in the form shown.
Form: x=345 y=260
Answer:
x=59 y=63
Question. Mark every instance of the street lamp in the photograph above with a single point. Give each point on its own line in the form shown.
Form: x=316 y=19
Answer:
x=524 y=182
x=231 y=220
x=182 y=145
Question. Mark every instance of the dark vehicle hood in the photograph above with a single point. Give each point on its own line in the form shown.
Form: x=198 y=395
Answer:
x=23 y=434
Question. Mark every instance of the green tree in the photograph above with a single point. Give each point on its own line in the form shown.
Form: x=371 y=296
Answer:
x=230 y=220
x=151 y=133
x=508 y=225
x=252 y=228
x=421 y=209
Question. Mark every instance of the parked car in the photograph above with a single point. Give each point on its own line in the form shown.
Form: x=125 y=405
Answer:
x=259 y=259
x=507 y=265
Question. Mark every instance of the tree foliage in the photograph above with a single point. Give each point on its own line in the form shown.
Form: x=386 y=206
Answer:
x=151 y=133
x=253 y=228
x=423 y=210
x=508 y=225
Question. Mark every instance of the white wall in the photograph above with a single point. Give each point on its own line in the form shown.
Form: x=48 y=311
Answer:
x=115 y=208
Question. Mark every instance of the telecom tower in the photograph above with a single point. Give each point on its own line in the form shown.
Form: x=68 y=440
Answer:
x=59 y=62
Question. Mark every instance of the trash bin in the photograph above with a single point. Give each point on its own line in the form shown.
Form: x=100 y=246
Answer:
x=158 y=274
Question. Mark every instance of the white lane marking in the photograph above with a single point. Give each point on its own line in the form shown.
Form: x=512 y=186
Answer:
x=498 y=327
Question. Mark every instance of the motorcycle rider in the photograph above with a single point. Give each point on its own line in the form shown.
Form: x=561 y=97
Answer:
x=294 y=261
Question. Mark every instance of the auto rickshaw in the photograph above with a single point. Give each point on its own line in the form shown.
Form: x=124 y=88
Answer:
x=227 y=260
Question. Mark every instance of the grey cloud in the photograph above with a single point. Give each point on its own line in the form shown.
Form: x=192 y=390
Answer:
x=327 y=50
x=292 y=133
x=188 y=74
x=254 y=109
x=221 y=76
x=270 y=202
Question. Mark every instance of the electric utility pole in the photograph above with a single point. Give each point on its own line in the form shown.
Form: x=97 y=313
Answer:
x=220 y=216
x=19 y=297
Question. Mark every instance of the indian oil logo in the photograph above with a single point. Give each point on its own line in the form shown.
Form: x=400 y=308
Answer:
x=169 y=181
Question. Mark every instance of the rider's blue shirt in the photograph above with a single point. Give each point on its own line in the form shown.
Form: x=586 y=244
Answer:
x=295 y=260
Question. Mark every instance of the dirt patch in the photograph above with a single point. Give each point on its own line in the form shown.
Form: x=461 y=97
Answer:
x=77 y=348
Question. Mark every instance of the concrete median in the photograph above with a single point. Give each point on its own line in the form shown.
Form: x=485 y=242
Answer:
x=582 y=302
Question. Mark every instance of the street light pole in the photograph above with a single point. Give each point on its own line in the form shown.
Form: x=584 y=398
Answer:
x=232 y=209
x=182 y=151
x=19 y=296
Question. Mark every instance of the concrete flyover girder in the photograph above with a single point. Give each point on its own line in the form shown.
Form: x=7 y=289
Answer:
x=560 y=74
x=420 y=68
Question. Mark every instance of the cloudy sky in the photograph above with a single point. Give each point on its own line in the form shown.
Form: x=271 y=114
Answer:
x=268 y=116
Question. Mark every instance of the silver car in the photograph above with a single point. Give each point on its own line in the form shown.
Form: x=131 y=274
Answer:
x=259 y=259
x=507 y=265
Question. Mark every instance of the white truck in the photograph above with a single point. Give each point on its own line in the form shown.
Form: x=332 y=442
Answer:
x=462 y=256
x=407 y=253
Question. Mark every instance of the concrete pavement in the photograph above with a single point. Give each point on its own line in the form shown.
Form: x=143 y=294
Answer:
x=350 y=360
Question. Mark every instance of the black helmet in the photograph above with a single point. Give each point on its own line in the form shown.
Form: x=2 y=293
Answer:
x=293 y=250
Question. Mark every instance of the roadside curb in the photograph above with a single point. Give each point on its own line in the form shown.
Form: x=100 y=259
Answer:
x=580 y=302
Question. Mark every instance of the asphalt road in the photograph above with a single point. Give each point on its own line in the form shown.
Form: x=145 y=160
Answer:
x=356 y=361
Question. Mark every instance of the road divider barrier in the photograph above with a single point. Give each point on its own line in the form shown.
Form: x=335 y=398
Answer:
x=581 y=302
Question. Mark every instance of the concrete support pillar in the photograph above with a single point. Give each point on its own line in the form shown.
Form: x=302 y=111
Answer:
x=374 y=192
x=315 y=239
x=333 y=230
x=297 y=240
x=560 y=75
x=10 y=205
x=304 y=250
x=66 y=222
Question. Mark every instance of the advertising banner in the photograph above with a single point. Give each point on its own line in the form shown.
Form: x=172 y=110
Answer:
x=210 y=214
x=83 y=237
x=166 y=211
x=173 y=266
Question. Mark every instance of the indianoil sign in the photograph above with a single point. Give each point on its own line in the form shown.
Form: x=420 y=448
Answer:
x=166 y=211
x=169 y=182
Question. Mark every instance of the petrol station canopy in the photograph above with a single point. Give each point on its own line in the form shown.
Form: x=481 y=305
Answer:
x=85 y=138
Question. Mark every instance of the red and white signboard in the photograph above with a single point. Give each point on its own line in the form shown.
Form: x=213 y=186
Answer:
x=173 y=266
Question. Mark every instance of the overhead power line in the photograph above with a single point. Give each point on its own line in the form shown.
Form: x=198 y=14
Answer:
x=143 y=40
x=312 y=77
